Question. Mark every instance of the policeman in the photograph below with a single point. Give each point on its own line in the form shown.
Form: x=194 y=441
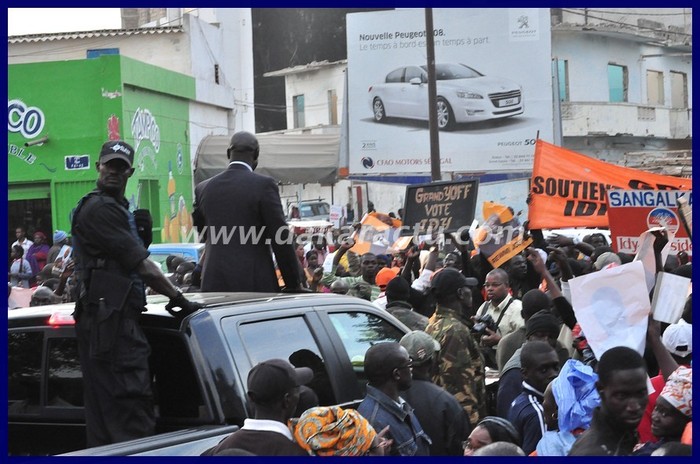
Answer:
x=112 y=271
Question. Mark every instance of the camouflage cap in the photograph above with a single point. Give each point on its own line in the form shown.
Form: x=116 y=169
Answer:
x=420 y=346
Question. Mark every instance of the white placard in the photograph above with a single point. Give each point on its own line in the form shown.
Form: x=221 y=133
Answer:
x=19 y=297
x=612 y=306
x=670 y=294
x=645 y=254
x=337 y=213
x=62 y=259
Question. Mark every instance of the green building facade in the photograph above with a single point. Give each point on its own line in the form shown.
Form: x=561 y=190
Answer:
x=59 y=115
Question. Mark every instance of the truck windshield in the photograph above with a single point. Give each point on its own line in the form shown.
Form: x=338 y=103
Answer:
x=314 y=209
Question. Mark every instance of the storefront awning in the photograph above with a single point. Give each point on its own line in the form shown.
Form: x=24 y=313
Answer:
x=288 y=158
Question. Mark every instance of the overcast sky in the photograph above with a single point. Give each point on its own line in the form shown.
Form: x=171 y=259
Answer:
x=22 y=21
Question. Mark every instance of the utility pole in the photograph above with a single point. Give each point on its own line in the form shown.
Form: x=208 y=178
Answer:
x=432 y=98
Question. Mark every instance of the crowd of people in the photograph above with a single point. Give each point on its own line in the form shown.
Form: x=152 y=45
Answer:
x=428 y=395
x=39 y=274
x=431 y=393
x=52 y=281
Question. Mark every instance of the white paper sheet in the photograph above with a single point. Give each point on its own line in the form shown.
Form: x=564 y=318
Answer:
x=19 y=297
x=612 y=307
x=645 y=254
x=670 y=294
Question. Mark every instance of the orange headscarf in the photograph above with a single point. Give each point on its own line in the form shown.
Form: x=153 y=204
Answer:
x=333 y=431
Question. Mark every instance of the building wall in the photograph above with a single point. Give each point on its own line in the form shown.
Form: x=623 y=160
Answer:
x=169 y=50
x=588 y=57
x=205 y=120
x=133 y=18
x=223 y=37
x=225 y=43
x=209 y=37
x=589 y=111
x=156 y=118
x=52 y=93
x=655 y=21
x=314 y=85
x=83 y=103
x=237 y=52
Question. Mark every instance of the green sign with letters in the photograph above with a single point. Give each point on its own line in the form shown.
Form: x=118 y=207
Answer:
x=61 y=112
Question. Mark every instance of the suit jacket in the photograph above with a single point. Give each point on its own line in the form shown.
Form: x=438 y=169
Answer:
x=259 y=443
x=240 y=214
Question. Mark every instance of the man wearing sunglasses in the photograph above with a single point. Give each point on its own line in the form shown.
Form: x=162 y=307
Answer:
x=388 y=370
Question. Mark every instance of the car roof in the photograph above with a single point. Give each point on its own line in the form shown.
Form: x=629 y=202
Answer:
x=211 y=301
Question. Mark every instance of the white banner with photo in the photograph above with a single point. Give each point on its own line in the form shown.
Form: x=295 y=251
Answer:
x=612 y=306
x=494 y=88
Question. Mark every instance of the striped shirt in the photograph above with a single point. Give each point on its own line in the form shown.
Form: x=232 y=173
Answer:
x=527 y=416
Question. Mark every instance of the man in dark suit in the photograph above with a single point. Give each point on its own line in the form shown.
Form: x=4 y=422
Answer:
x=240 y=214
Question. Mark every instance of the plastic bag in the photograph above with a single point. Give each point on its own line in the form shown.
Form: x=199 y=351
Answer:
x=575 y=394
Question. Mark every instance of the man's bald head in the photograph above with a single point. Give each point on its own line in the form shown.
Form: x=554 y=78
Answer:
x=340 y=286
x=244 y=147
x=381 y=359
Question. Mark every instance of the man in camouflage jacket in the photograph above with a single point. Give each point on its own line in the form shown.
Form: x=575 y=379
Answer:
x=460 y=365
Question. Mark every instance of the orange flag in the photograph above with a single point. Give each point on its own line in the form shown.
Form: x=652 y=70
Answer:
x=568 y=189
x=500 y=237
x=377 y=233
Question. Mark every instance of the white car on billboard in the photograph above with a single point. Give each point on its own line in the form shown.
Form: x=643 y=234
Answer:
x=463 y=95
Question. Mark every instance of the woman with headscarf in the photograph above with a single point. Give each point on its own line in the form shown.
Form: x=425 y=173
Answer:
x=60 y=239
x=38 y=252
x=673 y=411
x=491 y=429
x=569 y=401
x=334 y=431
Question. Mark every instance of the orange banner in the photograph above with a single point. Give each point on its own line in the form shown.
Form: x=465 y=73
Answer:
x=377 y=233
x=568 y=189
x=500 y=237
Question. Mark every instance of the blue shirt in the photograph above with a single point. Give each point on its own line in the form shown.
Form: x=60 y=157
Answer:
x=527 y=416
x=408 y=435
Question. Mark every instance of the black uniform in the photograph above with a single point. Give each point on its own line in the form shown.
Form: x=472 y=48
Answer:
x=110 y=297
x=440 y=415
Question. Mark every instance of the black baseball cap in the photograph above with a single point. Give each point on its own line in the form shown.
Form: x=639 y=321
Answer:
x=270 y=380
x=117 y=149
x=446 y=281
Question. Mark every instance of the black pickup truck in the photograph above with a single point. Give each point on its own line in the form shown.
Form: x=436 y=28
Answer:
x=199 y=365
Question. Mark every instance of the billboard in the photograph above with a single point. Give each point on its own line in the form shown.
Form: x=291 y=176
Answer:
x=631 y=212
x=494 y=88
